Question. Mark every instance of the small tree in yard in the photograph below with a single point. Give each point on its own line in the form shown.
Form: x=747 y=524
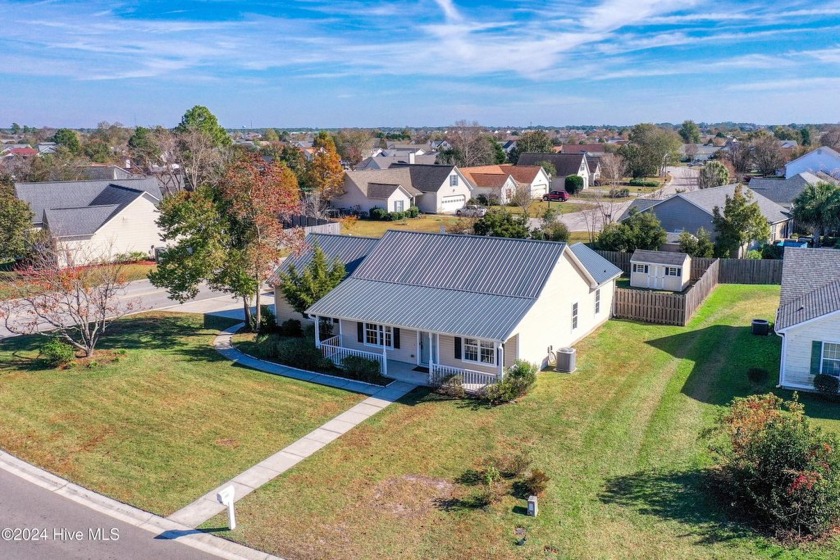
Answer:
x=697 y=246
x=740 y=222
x=641 y=230
x=713 y=174
x=303 y=288
x=780 y=472
x=231 y=234
x=573 y=184
x=75 y=304
x=500 y=223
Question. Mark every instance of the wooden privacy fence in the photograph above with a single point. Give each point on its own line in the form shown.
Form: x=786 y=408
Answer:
x=664 y=308
x=732 y=271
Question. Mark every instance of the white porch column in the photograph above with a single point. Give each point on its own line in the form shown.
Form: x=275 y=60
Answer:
x=501 y=360
x=317 y=332
x=384 y=361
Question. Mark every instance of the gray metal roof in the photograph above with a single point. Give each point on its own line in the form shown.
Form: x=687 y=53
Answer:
x=75 y=222
x=438 y=310
x=455 y=284
x=469 y=263
x=350 y=250
x=659 y=257
x=78 y=194
x=810 y=285
x=600 y=268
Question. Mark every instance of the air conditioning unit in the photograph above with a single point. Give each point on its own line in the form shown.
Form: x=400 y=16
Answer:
x=566 y=358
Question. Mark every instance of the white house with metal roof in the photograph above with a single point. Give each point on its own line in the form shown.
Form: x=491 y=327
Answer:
x=660 y=270
x=808 y=319
x=349 y=250
x=466 y=305
x=96 y=220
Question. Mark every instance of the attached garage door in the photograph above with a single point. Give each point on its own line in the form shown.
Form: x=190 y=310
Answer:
x=452 y=203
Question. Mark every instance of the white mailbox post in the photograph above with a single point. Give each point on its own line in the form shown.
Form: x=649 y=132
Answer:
x=225 y=497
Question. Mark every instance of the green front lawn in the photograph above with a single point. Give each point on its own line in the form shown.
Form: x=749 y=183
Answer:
x=160 y=424
x=620 y=439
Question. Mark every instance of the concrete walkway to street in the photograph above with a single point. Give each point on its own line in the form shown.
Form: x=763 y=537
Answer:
x=380 y=397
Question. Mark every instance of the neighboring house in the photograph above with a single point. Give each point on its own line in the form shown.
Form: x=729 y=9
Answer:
x=103 y=172
x=502 y=181
x=591 y=149
x=660 y=270
x=698 y=152
x=693 y=210
x=594 y=163
x=96 y=219
x=822 y=159
x=390 y=189
x=783 y=191
x=350 y=250
x=386 y=161
x=565 y=164
x=47 y=147
x=808 y=319
x=468 y=305
x=445 y=189
x=20 y=151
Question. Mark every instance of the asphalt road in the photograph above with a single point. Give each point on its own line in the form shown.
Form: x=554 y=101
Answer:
x=146 y=297
x=69 y=531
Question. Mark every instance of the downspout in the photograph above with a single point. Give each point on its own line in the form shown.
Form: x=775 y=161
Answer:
x=784 y=351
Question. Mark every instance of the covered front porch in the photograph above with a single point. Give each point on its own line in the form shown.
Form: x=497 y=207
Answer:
x=417 y=357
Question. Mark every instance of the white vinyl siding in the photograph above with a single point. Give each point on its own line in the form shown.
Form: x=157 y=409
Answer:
x=797 y=347
x=597 y=301
x=574 y=316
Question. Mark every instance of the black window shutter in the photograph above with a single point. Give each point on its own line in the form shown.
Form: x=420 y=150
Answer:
x=816 y=356
x=457 y=347
x=360 y=331
x=396 y=338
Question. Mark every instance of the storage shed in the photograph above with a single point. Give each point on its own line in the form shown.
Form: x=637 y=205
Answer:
x=660 y=270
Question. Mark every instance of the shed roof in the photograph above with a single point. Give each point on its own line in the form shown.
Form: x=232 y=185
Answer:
x=659 y=257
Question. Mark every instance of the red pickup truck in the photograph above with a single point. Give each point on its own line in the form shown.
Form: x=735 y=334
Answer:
x=562 y=196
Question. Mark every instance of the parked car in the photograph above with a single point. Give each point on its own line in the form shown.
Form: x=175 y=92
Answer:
x=562 y=196
x=472 y=211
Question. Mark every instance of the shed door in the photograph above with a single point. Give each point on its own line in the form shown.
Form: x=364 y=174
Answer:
x=659 y=277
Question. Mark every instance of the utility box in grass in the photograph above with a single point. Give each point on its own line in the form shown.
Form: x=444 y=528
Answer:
x=533 y=506
x=566 y=360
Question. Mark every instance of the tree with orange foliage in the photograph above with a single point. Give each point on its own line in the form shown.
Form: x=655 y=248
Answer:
x=231 y=234
x=324 y=176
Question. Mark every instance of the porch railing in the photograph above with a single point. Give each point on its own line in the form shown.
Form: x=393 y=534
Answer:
x=472 y=380
x=333 y=351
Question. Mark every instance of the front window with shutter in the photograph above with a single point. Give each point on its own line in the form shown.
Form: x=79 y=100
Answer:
x=830 y=359
x=379 y=335
x=479 y=351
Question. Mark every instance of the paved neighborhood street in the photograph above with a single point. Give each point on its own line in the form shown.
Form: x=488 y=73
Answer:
x=149 y=298
x=58 y=521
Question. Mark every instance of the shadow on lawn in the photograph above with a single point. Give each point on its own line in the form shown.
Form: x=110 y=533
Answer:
x=720 y=357
x=686 y=496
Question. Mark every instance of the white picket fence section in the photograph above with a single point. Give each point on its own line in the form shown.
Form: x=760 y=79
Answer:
x=472 y=380
x=332 y=350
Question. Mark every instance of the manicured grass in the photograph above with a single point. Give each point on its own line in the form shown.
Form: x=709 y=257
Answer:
x=130 y=272
x=538 y=208
x=165 y=423
x=621 y=440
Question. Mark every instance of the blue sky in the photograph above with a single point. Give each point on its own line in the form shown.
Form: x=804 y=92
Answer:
x=336 y=63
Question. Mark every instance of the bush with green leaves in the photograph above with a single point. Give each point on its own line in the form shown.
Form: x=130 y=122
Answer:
x=518 y=379
x=642 y=183
x=396 y=216
x=268 y=320
x=452 y=387
x=379 y=214
x=780 y=472
x=753 y=255
x=412 y=212
x=301 y=353
x=827 y=385
x=640 y=230
x=56 y=353
x=619 y=193
x=363 y=369
x=291 y=328
x=500 y=223
x=132 y=257
x=573 y=184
